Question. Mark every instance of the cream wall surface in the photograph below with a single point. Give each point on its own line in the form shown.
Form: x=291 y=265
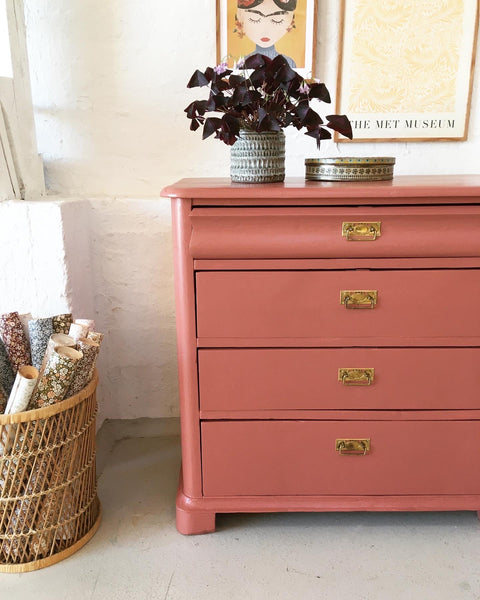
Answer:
x=108 y=81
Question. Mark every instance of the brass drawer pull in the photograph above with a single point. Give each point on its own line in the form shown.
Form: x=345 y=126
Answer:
x=352 y=447
x=359 y=299
x=361 y=232
x=356 y=376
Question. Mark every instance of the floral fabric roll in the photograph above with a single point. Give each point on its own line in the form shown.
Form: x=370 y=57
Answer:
x=86 y=365
x=16 y=343
x=57 y=377
x=61 y=323
x=40 y=331
x=7 y=376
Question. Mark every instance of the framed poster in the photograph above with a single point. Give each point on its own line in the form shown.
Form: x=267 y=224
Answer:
x=270 y=27
x=406 y=68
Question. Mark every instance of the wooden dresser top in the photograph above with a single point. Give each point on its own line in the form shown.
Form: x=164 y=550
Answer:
x=403 y=189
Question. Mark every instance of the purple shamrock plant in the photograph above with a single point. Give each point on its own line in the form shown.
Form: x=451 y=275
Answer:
x=268 y=95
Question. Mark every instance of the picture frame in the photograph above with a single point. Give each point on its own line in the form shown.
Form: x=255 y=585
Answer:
x=406 y=75
x=297 y=39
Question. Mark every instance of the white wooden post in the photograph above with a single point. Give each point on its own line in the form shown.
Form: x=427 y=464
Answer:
x=17 y=127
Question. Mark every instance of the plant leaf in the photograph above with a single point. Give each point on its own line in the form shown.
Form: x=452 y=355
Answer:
x=311 y=119
x=257 y=61
x=216 y=101
x=212 y=124
x=319 y=90
x=219 y=85
x=195 y=124
x=301 y=109
x=340 y=123
x=257 y=77
x=198 y=107
x=281 y=70
x=236 y=80
x=319 y=133
x=198 y=79
x=229 y=130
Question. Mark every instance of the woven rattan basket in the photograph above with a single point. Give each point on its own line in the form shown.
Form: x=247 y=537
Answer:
x=48 y=490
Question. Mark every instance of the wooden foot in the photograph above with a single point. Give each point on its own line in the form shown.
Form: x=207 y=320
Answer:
x=478 y=514
x=195 y=522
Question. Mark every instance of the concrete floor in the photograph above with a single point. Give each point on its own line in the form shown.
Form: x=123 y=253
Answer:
x=137 y=553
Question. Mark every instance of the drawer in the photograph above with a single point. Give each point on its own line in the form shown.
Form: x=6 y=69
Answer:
x=309 y=379
x=325 y=232
x=299 y=458
x=422 y=304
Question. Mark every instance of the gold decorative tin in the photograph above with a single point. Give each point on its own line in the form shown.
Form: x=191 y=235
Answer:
x=344 y=168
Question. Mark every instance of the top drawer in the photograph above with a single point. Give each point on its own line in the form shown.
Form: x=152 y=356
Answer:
x=323 y=232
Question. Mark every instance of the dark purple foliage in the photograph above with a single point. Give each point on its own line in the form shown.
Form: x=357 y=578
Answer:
x=268 y=97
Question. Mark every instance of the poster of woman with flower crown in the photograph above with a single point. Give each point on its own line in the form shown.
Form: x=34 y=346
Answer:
x=268 y=27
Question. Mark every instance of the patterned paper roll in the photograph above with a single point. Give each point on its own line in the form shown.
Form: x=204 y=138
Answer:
x=22 y=391
x=95 y=336
x=56 y=340
x=24 y=319
x=87 y=322
x=7 y=376
x=61 y=323
x=57 y=377
x=77 y=331
x=40 y=331
x=16 y=343
x=3 y=399
x=86 y=365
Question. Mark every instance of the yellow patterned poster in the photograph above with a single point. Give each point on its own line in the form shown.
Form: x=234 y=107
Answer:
x=406 y=68
x=268 y=27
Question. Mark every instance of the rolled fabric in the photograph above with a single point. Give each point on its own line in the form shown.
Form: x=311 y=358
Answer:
x=57 y=377
x=16 y=343
x=7 y=376
x=86 y=365
x=77 y=331
x=90 y=323
x=22 y=390
x=40 y=331
x=95 y=336
x=56 y=340
x=61 y=323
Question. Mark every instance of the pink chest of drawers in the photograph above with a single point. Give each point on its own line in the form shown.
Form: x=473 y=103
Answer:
x=328 y=346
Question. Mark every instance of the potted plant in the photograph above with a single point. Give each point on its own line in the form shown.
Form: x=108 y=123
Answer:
x=257 y=102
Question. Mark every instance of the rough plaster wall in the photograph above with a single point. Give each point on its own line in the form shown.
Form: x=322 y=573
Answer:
x=33 y=274
x=108 y=82
x=133 y=283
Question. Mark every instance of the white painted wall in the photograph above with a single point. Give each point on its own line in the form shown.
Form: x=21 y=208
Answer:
x=108 y=83
x=33 y=275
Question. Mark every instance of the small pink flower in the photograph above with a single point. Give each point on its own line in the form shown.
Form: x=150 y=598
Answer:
x=304 y=89
x=221 y=68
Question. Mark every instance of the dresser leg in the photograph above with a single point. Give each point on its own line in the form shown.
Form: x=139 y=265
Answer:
x=478 y=514
x=195 y=522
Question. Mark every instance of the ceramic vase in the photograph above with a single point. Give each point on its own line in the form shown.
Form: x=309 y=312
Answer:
x=258 y=157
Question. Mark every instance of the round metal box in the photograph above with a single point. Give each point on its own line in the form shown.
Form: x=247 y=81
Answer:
x=374 y=168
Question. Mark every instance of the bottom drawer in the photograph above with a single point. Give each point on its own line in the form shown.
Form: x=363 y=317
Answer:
x=248 y=458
